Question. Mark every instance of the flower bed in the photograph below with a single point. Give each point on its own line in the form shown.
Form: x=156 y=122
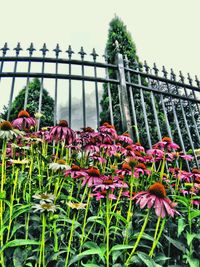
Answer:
x=94 y=198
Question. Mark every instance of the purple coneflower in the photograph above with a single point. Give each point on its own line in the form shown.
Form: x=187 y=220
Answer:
x=108 y=129
x=93 y=177
x=125 y=137
x=75 y=172
x=166 y=143
x=103 y=194
x=62 y=132
x=156 y=197
x=24 y=121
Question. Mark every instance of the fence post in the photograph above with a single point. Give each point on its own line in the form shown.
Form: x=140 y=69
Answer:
x=123 y=97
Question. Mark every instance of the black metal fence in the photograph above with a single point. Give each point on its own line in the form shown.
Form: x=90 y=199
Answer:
x=152 y=104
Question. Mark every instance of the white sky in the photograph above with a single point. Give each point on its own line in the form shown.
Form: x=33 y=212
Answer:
x=164 y=31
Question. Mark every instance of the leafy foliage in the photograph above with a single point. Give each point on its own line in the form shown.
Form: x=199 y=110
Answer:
x=33 y=102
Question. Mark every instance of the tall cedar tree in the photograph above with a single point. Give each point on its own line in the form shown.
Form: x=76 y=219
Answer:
x=118 y=32
x=33 y=102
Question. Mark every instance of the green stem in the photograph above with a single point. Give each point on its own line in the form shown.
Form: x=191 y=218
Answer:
x=139 y=237
x=42 y=243
x=107 y=229
x=70 y=240
x=11 y=202
x=158 y=237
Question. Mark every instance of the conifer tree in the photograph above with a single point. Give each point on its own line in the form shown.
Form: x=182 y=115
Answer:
x=32 y=103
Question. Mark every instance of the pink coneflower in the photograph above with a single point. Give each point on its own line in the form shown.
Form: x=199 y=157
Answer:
x=156 y=197
x=24 y=121
x=75 y=172
x=93 y=177
x=108 y=129
x=157 y=154
x=195 y=175
x=109 y=182
x=97 y=157
x=62 y=132
x=166 y=143
x=128 y=151
x=125 y=137
x=125 y=170
x=141 y=168
x=138 y=147
x=103 y=194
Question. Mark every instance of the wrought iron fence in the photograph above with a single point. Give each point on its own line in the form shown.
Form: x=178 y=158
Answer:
x=151 y=105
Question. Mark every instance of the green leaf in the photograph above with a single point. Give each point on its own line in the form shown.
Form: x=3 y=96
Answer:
x=146 y=259
x=120 y=247
x=193 y=262
x=19 y=242
x=176 y=243
x=19 y=257
x=181 y=226
x=91 y=265
x=194 y=214
x=190 y=237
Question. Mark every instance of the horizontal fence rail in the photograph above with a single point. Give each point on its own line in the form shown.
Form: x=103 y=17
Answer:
x=151 y=104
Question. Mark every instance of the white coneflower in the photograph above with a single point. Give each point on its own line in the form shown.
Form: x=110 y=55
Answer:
x=59 y=165
x=38 y=115
x=20 y=147
x=77 y=206
x=19 y=162
x=7 y=131
x=44 y=206
x=44 y=197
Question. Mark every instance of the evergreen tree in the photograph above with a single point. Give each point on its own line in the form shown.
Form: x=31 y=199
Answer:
x=118 y=32
x=32 y=103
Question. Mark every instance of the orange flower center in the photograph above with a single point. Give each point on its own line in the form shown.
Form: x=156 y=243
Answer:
x=138 y=144
x=61 y=162
x=88 y=129
x=6 y=126
x=63 y=123
x=75 y=168
x=23 y=114
x=126 y=134
x=126 y=166
x=129 y=148
x=108 y=181
x=141 y=166
x=94 y=172
x=158 y=190
x=106 y=124
x=196 y=171
x=167 y=139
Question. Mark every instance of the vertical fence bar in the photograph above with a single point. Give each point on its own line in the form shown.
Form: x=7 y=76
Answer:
x=82 y=53
x=126 y=117
x=143 y=106
x=70 y=52
x=57 y=51
x=132 y=99
x=17 y=49
x=95 y=55
x=30 y=49
x=44 y=50
x=190 y=107
x=109 y=92
x=4 y=51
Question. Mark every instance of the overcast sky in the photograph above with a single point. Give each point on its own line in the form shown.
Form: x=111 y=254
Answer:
x=164 y=31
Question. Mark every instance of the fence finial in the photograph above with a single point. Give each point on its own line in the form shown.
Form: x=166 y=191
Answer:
x=57 y=50
x=69 y=52
x=164 y=72
x=146 y=67
x=31 y=49
x=173 y=75
x=94 y=54
x=18 y=49
x=5 y=49
x=181 y=76
x=189 y=79
x=155 y=69
x=82 y=53
x=44 y=50
x=197 y=81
